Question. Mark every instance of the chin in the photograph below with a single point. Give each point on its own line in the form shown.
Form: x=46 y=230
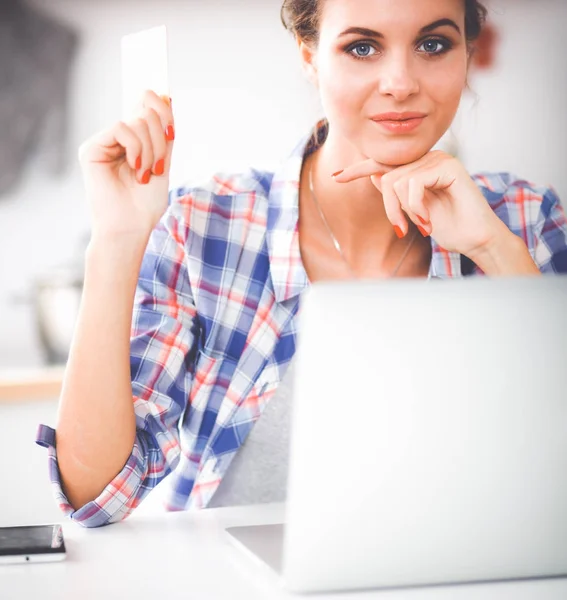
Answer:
x=396 y=153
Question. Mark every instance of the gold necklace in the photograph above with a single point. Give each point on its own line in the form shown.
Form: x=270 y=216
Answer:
x=336 y=242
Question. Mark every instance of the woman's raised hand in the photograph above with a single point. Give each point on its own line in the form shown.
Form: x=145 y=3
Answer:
x=126 y=170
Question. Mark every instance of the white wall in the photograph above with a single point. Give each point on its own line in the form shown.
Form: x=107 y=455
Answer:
x=519 y=123
x=240 y=99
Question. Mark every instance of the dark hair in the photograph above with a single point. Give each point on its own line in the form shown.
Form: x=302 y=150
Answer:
x=301 y=17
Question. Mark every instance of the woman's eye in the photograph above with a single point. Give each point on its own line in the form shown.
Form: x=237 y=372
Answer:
x=362 y=50
x=433 y=47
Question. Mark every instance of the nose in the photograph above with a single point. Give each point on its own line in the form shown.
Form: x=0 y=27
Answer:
x=397 y=77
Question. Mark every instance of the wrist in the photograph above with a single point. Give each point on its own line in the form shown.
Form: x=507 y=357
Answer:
x=130 y=242
x=504 y=254
x=118 y=252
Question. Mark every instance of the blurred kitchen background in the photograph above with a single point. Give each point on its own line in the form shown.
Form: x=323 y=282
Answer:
x=240 y=99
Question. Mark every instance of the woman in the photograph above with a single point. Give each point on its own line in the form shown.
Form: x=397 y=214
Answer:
x=214 y=283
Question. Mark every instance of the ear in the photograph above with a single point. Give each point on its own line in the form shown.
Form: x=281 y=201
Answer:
x=308 y=61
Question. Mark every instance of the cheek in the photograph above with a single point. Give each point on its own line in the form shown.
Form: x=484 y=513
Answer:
x=342 y=88
x=445 y=90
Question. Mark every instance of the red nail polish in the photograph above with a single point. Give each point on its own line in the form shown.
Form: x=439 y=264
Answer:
x=338 y=173
x=170 y=133
x=422 y=231
x=146 y=176
x=399 y=231
x=424 y=222
x=160 y=167
x=138 y=163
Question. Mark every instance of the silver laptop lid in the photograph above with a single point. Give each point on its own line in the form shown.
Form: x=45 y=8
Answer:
x=429 y=435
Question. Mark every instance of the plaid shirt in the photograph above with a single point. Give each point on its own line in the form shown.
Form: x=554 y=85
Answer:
x=214 y=324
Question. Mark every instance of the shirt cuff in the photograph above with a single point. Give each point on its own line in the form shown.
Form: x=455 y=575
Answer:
x=118 y=499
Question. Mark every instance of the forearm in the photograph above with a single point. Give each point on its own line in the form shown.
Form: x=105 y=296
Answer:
x=506 y=255
x=96 y=422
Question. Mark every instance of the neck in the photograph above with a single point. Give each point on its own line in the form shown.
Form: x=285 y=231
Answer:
x=355 y=211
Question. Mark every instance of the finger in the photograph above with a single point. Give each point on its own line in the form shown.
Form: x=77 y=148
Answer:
x=413 y=203
x=146 y=159
x=407 y=170
x=363 y=169
x=169 y=133
x=392 y=206
x=433 y=179
x=112 y=143
x=416 y=200
x=158 y=141
x=162 y=106
x=420 y=182
x=401 y=189
x=438 y=179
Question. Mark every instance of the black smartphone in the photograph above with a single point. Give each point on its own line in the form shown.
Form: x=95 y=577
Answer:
x=37 y=543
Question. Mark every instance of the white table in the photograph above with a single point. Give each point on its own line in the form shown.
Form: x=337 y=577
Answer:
x=188 y=555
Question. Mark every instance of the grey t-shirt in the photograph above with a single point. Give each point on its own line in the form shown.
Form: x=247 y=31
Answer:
x=258 y=472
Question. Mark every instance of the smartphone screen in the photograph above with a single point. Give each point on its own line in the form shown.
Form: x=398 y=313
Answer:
x=33 y=541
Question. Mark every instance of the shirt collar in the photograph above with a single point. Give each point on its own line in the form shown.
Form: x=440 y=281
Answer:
x=289 y=277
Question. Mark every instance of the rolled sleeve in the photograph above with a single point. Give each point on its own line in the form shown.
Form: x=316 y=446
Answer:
x=550 y=251
x=118 y=499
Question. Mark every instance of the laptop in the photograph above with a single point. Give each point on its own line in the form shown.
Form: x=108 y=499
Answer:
x=429 y=436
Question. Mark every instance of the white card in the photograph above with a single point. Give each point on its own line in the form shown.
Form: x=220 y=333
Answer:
x=144 y=67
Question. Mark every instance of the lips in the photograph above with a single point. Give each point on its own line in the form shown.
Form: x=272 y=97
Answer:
x=403 y=116
x=399 y=122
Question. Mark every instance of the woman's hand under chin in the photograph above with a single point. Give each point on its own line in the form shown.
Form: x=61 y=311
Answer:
x=440 y=198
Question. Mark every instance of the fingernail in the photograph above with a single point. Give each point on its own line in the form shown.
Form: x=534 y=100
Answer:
x=422 y=231
x=399 y=231
x=146 y=176
x=160 y=167
x=166 y=99
x=422 y=220
x=338 y=173
x=170 y=133
x=138 y=163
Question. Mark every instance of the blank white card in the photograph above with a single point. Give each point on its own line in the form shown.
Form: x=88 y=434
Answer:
x=144 y=67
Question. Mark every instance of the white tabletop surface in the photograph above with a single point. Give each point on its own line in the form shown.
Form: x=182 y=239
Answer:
x=188 y=555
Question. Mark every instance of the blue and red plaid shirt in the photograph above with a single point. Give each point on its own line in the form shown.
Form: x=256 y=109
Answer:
x=214 y=324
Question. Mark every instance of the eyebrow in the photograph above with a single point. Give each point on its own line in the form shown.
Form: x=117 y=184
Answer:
x=376 y=34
